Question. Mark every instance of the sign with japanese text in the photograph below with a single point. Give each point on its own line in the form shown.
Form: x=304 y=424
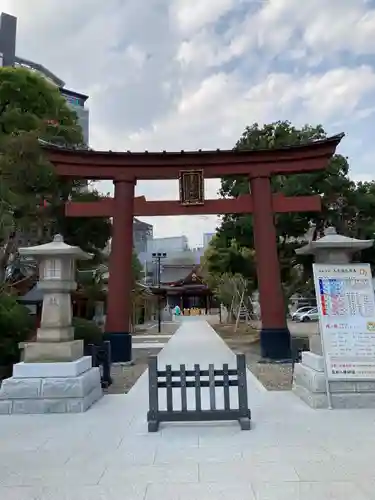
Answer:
x=346 y=305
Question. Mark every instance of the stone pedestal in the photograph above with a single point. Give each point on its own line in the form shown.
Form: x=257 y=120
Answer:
x=315 y=343
x=70 y=387
x=310 y=385
x=47 y=352
x=309 y=378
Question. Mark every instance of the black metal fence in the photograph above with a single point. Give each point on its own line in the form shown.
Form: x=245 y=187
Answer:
x=101 y=357
x=197 y=379
x=297 y=346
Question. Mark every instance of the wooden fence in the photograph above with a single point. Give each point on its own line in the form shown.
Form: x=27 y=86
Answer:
x=197 y=379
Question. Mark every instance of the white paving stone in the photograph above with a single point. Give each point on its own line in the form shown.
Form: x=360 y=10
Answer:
x=292 y=451
x=20 y=493
x=156 y=336
x=228 y=491
x=149 y=345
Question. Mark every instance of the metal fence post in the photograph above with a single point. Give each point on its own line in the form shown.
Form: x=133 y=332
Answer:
x=152 y=416
x=242 y=393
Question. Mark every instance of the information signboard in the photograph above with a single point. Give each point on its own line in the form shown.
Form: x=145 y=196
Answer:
x=346 y=305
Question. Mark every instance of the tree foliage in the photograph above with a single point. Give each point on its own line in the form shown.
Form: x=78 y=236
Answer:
x=220 y=258
x=16 y=326
x=228 y=269
x=347 y=205
x=32 y=109
x=90 y=234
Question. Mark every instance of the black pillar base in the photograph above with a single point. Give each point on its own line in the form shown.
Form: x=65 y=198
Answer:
x=275 y=343
x=121 y=346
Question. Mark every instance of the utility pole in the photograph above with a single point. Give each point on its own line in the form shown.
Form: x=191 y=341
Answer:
x=157 y=257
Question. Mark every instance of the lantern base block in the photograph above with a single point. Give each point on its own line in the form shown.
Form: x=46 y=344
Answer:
x=59 y=334
x=53 y=352
x=52 y=370
x=37 y=393
x=309 y=384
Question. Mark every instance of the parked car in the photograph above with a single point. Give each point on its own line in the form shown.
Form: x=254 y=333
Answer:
x=300 y=310
x=311 y=315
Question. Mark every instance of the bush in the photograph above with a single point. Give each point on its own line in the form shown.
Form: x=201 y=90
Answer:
x=16 y=325
x=87 y=330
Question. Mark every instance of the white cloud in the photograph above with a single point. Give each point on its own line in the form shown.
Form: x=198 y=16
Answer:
x=192 y=16
x=188 y=75
x=218 y=109
x=287 y=27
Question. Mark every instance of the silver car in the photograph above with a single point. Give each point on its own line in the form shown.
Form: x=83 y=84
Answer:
x=300 y=310
x=311 y=315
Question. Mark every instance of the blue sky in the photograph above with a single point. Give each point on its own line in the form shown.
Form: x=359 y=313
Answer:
x=192 y=74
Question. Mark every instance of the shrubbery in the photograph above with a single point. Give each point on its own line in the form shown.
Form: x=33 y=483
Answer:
x=16 y=325
x=87 y=330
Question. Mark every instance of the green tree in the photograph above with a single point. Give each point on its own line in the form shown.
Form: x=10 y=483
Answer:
x=228 y=270
x=16 y=326
x=32 y=110
x=332 y=184
x=90 y=234
x=220 y=259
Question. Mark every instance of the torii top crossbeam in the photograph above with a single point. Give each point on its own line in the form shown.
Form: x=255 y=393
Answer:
x=89 y=164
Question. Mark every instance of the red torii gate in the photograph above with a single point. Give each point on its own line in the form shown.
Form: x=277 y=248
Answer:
x=126 y=168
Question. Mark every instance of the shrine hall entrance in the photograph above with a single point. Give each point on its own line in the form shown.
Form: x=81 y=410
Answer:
x=191 y=168
x=180 y=283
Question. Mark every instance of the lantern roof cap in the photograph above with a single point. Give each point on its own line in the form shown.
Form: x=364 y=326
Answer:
x=333 y=241
x=55 y=248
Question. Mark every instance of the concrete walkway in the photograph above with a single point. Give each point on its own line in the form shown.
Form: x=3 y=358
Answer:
x=291 y=453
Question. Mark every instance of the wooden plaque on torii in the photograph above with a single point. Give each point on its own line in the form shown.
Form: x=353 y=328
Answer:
x=191 y=187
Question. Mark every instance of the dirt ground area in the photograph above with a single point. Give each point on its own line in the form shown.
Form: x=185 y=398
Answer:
x=124 y=377
x=274 y=376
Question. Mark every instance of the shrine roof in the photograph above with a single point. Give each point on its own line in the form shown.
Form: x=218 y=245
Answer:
x=87 y=152
x=175 y=274
x=33 y=296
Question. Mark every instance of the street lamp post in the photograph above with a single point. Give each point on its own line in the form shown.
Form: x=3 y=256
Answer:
x=157 y=257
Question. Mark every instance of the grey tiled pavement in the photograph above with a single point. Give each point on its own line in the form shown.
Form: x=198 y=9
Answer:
x=292 y=452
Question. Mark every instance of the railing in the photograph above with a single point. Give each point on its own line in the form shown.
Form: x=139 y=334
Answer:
x=101 y=357
x=227 y=378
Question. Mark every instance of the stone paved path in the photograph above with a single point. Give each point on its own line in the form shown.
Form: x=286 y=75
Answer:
x=291 y=453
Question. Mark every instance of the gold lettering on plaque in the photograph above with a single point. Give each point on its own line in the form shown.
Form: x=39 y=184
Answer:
x=191 y=187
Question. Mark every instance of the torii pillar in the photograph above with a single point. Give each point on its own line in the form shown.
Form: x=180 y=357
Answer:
x=275 y=335
x=117 y=327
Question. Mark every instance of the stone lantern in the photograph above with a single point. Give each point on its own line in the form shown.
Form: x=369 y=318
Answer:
x=309 y=381
x=332 y=248
x=54 y=377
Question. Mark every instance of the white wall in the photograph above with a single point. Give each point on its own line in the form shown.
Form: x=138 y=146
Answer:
x=172 y=244
x=207 y=237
